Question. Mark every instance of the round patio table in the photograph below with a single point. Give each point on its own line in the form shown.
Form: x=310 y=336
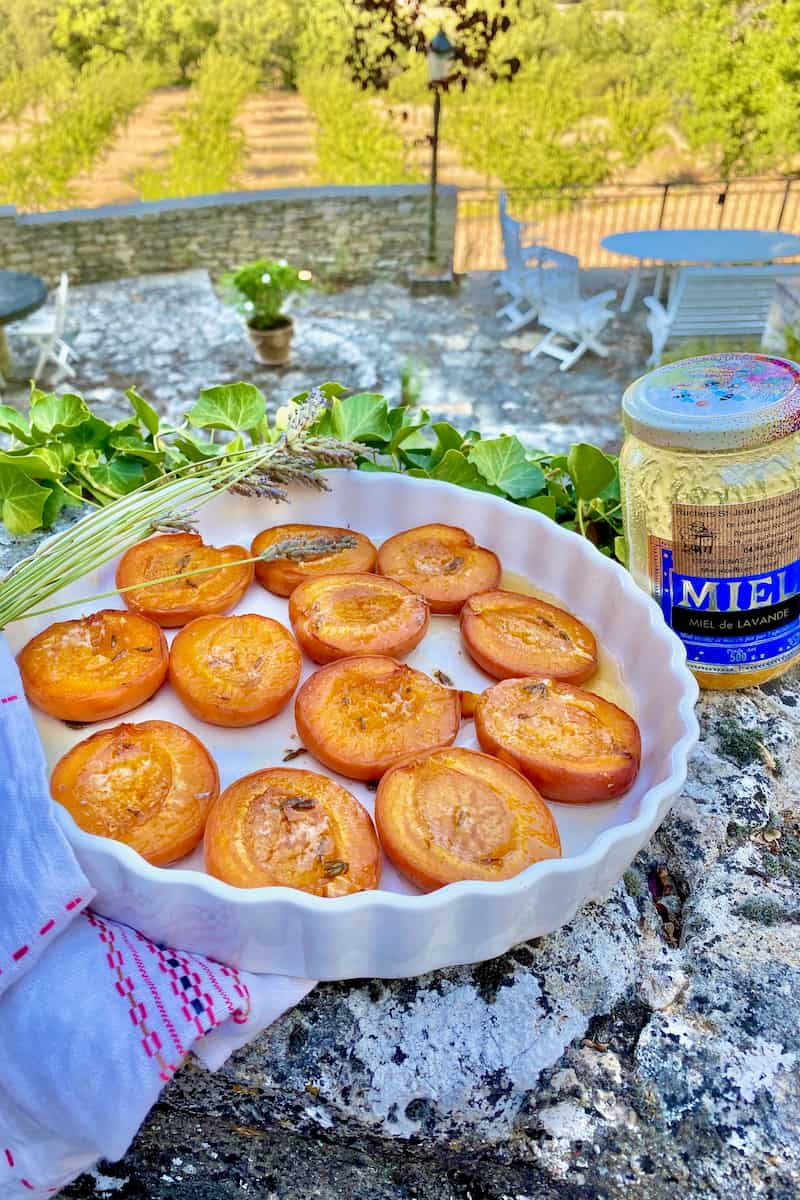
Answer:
x=720 y=247
x=20 y=295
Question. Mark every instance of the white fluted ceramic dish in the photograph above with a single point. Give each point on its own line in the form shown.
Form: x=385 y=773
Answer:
x=396 y=931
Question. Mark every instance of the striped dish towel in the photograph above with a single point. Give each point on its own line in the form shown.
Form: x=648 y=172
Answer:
x=94 y=1017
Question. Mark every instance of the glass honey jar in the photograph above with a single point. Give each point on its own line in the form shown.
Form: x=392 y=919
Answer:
x=710 y=480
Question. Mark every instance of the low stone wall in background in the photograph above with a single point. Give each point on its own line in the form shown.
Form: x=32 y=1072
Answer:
x=343 y=234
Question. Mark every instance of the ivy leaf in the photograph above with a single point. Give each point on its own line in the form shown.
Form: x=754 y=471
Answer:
x=234 y=406
x=456 y=468
x=560 y=494
x=503 y=463
x=144 y=411
x=361 y=418
x=52 y=506
x=543 y=504
x=22 y=500
x=57 y=414
x=196 y=449
x=590 y=470
x=120 y=476
x=331 y=390
x=15 y=423
x=40 y=462
x=621 y=550
x=447 y=438
x=59 y=498
x=93 y=433
x=366 y=464
x=136 y=447
x=408 y=432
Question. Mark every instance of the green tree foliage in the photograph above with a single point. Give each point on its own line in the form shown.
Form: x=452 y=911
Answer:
x=262 y=33
x=26 y=28
x=82 y=114
x=86 y=29
x=354 y=140
x=210 y=150
x=731 y=68
x=176 y=33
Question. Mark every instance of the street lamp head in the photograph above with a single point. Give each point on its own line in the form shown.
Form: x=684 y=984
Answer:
x=440 y=57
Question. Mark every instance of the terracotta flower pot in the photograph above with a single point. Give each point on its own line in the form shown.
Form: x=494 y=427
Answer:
x=273 y=346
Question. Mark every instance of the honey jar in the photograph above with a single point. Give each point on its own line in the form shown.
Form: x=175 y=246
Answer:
x=710 y=481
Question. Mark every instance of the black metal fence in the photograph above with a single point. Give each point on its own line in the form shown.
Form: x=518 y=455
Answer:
x=576 y=220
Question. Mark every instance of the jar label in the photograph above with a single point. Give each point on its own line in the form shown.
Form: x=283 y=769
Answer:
x=729 y=582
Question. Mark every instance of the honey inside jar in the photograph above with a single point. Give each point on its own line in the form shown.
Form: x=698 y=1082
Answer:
x=710 y=476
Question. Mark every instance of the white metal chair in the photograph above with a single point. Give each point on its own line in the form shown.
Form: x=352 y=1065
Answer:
x=46 y=328
x=568 y=316
x=712 y=301
x=518 y=252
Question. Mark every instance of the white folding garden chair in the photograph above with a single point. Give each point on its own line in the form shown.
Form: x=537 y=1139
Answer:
x=46 y=328
x=568 y=316
x=519 y=249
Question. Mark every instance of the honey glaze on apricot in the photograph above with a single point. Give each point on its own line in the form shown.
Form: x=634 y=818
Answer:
x=234 y=671
x=337 y=616
x=453 y=814
x=282 y=575
x=441 y=563
x=95 y=667
x=509 y=634
x=292 y=828
x=149 y=785
x=360 y=715
x=573 y=745
x=191 y=595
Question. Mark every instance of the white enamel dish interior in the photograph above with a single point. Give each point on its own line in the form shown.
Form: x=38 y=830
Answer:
x=397 y=931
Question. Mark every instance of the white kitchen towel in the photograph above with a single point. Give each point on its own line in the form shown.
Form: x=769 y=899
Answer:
x=94 y=1018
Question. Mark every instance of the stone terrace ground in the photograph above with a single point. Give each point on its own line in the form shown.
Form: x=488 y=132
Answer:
x=170 y=336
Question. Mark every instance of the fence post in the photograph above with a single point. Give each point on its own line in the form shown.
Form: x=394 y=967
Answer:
x=664 y=195
x=721 y=198
x=782 y=213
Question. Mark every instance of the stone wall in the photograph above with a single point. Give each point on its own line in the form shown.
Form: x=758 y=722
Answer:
x=340 y=233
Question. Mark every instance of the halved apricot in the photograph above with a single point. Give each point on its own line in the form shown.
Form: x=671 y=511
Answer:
x=149 y=785
x=234 y=670
x=441 y=563
x=572 y=745
x=340 y=615
x=452 y=814
x=508 y=635
x=285 y=828
x=360 y=715
x=96 y=667
x=351 y=553
x=191 y=595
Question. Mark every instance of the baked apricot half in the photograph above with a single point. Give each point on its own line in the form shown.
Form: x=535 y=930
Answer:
x=508 y=635
x=441 y=563
x=454 y=814
x=180 y=600
x=349 y=552
x=285 y=828
x=340 y=615
x=95 y=667
x=572 y=745
x=360 y=715
x=149 y=785
x=234 y=670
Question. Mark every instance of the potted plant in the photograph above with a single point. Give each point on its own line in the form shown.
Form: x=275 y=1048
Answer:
x=259 y=291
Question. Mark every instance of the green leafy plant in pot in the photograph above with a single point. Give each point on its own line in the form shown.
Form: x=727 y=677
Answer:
x=259 y=291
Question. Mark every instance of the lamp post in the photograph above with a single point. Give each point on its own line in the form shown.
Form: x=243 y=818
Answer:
x=440 y=61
